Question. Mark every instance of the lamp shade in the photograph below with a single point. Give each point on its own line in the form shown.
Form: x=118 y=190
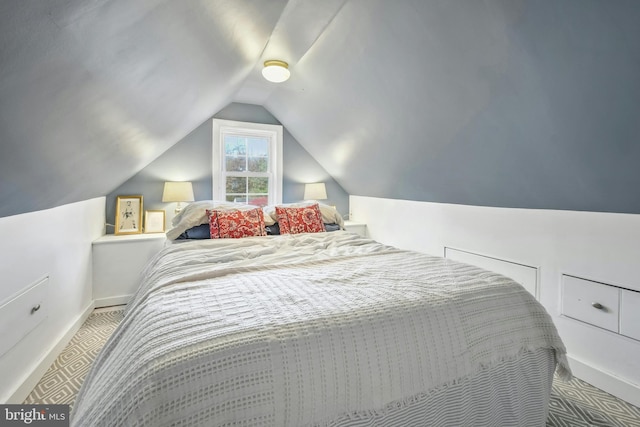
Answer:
x=178 y=192
x=276 y=71
x=315 y=191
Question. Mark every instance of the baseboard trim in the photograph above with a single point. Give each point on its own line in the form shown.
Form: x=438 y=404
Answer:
x=606 y=381
x=108 y=302
x=31 y=380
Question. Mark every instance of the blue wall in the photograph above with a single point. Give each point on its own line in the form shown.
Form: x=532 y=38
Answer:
x=190 y=160
x=514 y=103
x=511 y=103
x=561 y=128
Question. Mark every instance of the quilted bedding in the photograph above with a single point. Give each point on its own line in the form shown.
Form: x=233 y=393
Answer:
x=298 y=330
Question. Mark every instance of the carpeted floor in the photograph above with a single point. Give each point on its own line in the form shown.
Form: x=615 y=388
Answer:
x=573 y=404
x=63 y=379
x=577 y=403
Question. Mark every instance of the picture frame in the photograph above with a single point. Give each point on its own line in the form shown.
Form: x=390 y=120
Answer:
x=128 y=215
x=154 y=221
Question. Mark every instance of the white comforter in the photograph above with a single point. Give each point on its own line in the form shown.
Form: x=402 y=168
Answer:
x=298 y=330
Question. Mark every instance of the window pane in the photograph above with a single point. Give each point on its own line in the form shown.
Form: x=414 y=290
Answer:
x=258 y=154
x=259 y=185
x=236 y=184
x=235 y=153
x=258 y=164
x=235 y=164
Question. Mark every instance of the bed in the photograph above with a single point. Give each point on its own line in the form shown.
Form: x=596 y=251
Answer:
x=323 y=328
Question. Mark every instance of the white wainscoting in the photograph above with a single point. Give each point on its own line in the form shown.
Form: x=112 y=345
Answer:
x=56 y=244
x=22 y=313
x=526 y=275
x=603 y=247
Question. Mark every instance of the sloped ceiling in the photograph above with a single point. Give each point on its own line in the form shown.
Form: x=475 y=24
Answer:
x=519 y=103
x=530 y=104
x=93 y=90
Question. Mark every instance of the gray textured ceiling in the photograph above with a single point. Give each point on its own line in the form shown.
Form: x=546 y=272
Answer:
x=521 y=103
x=92 y=91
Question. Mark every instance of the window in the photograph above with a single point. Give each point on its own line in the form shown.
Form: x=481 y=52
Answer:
x=247 y=162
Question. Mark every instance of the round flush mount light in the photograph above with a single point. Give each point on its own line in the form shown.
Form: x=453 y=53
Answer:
x=276 y=71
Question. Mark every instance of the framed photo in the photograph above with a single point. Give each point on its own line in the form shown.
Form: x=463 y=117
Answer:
x=154 y=221
x=128 y=215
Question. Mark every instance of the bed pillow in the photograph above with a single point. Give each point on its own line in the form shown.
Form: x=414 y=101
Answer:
x=273 y=230
x=295 y=220
x=195 y=214
x=235 y=224
x=196 y=233
x=330 y=214
x=332 y=227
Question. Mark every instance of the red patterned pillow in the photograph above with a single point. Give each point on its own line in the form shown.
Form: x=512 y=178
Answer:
x=307 y=219
x=234 y=224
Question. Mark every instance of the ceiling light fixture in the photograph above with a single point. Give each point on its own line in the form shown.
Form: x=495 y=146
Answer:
x=276 y=71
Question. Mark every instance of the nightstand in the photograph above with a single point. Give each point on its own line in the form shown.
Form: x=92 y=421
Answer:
x=356 y=227
x=117 y=264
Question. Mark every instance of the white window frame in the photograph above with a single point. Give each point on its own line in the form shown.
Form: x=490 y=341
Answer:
x=273 y=132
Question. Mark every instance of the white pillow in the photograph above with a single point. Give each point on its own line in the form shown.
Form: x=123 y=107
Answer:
x=195 y=213
x=330 y=215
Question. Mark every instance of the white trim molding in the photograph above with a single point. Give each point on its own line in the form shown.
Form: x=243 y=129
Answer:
x=273 y=132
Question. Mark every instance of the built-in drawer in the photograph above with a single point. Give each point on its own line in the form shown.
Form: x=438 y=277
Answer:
x=630 y=314
x=23 y=313
x=526 y=275
x=590 y=302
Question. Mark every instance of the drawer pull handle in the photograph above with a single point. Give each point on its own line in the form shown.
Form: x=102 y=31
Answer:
x=36 y=308
x=597 y=305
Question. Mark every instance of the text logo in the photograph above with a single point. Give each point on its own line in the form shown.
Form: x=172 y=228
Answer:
x=34 y=415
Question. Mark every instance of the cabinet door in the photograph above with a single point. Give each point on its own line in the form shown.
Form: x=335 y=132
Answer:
x=630 y=314
x=356 y=227
x=117 y=264
x=526 y=275
x=590 y=302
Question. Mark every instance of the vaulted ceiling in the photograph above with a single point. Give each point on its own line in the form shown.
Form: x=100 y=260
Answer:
x=521 y=103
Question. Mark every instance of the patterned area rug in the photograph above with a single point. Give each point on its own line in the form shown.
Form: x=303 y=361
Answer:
x=573 y=404
x=577 y=403
x=62 y=381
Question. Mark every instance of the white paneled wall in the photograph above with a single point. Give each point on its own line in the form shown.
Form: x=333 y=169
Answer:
x=604 y=247
x=54 y=243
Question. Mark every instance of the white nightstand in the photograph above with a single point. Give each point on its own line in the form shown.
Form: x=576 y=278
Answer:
x=356 y=227
x=117 y=264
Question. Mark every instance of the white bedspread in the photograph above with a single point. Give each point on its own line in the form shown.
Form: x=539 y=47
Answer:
x=298 y=330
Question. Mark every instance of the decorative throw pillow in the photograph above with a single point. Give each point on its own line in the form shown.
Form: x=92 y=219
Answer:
x=235 y=224
x=307 y=219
